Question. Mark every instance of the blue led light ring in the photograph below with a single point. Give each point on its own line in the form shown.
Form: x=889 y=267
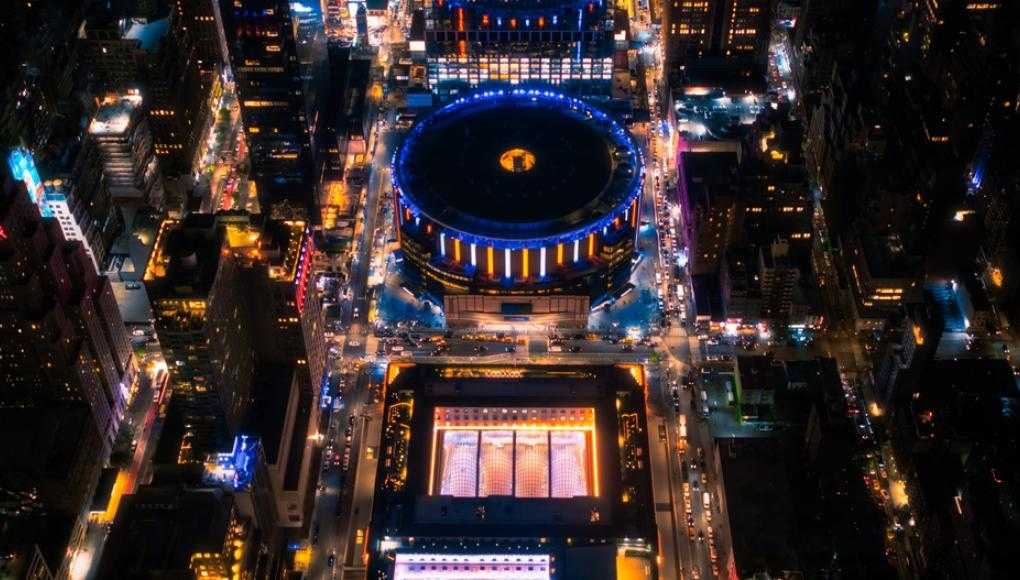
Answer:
x=621 y=137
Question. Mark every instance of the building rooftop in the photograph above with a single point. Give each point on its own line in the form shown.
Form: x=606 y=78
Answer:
x=490 y=452
x=160 y=528
x=519 y=165
x=149 y=34
x=761 y=372
x=114 y=114
x=759 y=501
x=186 y=253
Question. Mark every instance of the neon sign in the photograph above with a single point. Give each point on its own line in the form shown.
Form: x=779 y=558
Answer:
x=22 y=166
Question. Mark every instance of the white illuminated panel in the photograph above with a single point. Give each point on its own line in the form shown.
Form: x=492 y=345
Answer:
x=568 y=454
x=473 y=258
x=495 y=464
x=442 y=243
x=577 y=249
x=541 y=263
x=506 y=263
x=471 y=567
x=531 y=469
x=460 y=454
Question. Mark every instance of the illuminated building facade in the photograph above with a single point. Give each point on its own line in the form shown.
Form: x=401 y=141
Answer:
x=121 y=133
x=883 y=277
x=72 y=345
x=183 y=85
x=519 y=193
x=568 y=44
x=542 y=455
x=718 y=42
x=66 y=366
x=52 y=197
x=242 y=333
x=264 y=60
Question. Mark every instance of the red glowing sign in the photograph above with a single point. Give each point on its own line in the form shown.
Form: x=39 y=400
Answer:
x=301 y=280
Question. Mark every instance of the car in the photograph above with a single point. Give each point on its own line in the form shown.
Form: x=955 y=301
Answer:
x=690 y=532
x=511 y=348
x=576 y=348
x=701 y=535
x=348 y=434
x=331 y=560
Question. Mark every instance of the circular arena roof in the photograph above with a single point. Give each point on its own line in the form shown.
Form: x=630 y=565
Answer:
x=518 y=165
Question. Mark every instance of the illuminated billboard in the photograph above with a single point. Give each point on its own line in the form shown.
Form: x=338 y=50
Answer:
x=22 y=167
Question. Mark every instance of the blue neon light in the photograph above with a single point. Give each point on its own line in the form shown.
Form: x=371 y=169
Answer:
x=22 y=166
x=236 y=468
x=562 y=102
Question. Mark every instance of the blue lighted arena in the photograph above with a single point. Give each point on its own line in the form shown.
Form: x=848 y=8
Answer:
x=518 y=193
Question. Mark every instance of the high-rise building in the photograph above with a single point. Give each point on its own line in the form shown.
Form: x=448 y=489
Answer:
x=66 y=364
x=38 y=65
x=565 y=43
x=182 y=81
x=91 y=204
x=115 y=58
x=64 y=339
x=264 y=60
x=195 y=21
x=193 y=532
x=242 y=333
x=120 y=130
x=718 y=43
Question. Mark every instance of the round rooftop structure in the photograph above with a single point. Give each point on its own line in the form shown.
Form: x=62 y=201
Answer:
x=518 y=192
x=518 y=166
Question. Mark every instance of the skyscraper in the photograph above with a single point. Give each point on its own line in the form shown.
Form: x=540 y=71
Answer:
x=182 y=80
x=120 y=130
x=264 y=60
x=717 y=41
x=65 y=366
x=242 y=333
x=63 y=337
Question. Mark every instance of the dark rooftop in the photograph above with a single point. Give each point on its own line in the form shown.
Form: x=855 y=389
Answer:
x=513 y=167
x=158 y=529
x=760 y=505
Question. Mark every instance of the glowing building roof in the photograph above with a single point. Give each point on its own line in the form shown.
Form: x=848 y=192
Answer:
x=114 y=114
